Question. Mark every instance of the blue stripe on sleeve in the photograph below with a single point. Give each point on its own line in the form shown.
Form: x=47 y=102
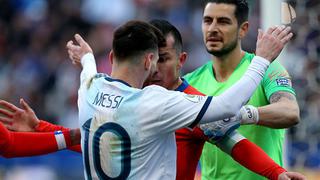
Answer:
x=201 y=113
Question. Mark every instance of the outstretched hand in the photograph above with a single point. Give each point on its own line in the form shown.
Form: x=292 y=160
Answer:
x=271 y=43
x=17 y=119
x=291 y=176
x=76 y=52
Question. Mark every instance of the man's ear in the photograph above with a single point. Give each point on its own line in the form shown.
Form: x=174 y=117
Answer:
x=182 y=59
x=244 y=28
x=111 y=57
x=148 y=61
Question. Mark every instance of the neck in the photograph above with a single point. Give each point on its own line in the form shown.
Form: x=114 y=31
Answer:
x=176 y=84
x=133 y=76
x=226 y=64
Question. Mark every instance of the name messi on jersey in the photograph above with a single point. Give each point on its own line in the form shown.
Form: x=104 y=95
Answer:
x=107 y=100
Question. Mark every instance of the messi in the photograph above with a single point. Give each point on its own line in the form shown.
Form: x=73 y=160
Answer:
x=107 y=100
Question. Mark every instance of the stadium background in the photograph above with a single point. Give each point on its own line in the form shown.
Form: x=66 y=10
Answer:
x=34 y=65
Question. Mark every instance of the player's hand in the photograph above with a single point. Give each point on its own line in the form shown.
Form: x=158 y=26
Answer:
x=17 y=119
x=216 y=130
x=76 y=52
x=271 y=43
x=291 y=176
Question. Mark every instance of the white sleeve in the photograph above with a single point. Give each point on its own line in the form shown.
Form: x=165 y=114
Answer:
x=180 y=110
x=174 y=110
x=229 y=103
x=89 y=69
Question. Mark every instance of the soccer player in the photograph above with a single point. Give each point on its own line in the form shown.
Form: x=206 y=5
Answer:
x=224 y=25
x=190 y=142
x=127 y=132
x=171 y=72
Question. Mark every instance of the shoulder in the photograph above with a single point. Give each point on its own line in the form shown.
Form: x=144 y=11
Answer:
x=199 y=71
x=276 y=65
x=154 y=88
x=161 y=94
x=248 y=56
x=276 y=69
x=100 y=76
x=155 y=92
x=191 y=90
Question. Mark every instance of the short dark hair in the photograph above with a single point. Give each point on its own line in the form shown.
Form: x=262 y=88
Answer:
x=242 y=8
x=134 y=38
x=167 y=28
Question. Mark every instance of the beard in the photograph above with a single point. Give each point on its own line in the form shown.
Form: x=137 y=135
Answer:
x=225 y=50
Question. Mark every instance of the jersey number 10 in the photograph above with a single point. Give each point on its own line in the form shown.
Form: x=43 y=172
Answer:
x=125 y=150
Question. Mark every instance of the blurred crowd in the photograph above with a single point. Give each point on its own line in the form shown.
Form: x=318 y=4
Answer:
x=34 y=64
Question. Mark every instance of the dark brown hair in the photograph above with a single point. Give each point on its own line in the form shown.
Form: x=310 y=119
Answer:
x=135 y=38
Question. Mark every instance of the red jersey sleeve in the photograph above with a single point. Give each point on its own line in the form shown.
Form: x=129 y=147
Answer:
x=20 y=144
x=45 y=126
x=254 y=158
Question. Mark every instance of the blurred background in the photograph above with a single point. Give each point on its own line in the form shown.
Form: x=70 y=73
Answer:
x=34 y=65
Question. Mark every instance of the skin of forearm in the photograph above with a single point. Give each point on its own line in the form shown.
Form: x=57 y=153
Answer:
x=75 y=136
x=282 y=114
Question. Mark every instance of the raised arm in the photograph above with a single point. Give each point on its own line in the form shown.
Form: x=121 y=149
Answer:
x=82 y=54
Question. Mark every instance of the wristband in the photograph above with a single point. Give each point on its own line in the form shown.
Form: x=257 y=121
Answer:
x=249 y=115
x=61 y=142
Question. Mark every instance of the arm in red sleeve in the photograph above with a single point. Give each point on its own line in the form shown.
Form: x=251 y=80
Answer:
x=250 y=156
x=75 y=136
x=20 y=144
x=76 y=148
x=254 y=158
x=45 y=126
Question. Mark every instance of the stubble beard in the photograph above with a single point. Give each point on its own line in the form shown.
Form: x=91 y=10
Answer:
x=225 y=50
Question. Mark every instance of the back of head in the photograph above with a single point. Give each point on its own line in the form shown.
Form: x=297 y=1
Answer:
x=167 y=28
x=242 y=8
x=135 y=38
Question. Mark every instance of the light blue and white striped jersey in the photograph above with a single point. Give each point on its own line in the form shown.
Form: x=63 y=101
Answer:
x=128 y=133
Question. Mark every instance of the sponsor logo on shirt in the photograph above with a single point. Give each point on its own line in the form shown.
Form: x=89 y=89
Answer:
x=193 y=98
x=282 y=81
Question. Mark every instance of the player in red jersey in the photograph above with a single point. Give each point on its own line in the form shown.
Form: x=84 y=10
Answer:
x=189 y=141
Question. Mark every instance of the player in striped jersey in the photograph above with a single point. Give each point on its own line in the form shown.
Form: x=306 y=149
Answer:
x=186 y=88
x=123 y=134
